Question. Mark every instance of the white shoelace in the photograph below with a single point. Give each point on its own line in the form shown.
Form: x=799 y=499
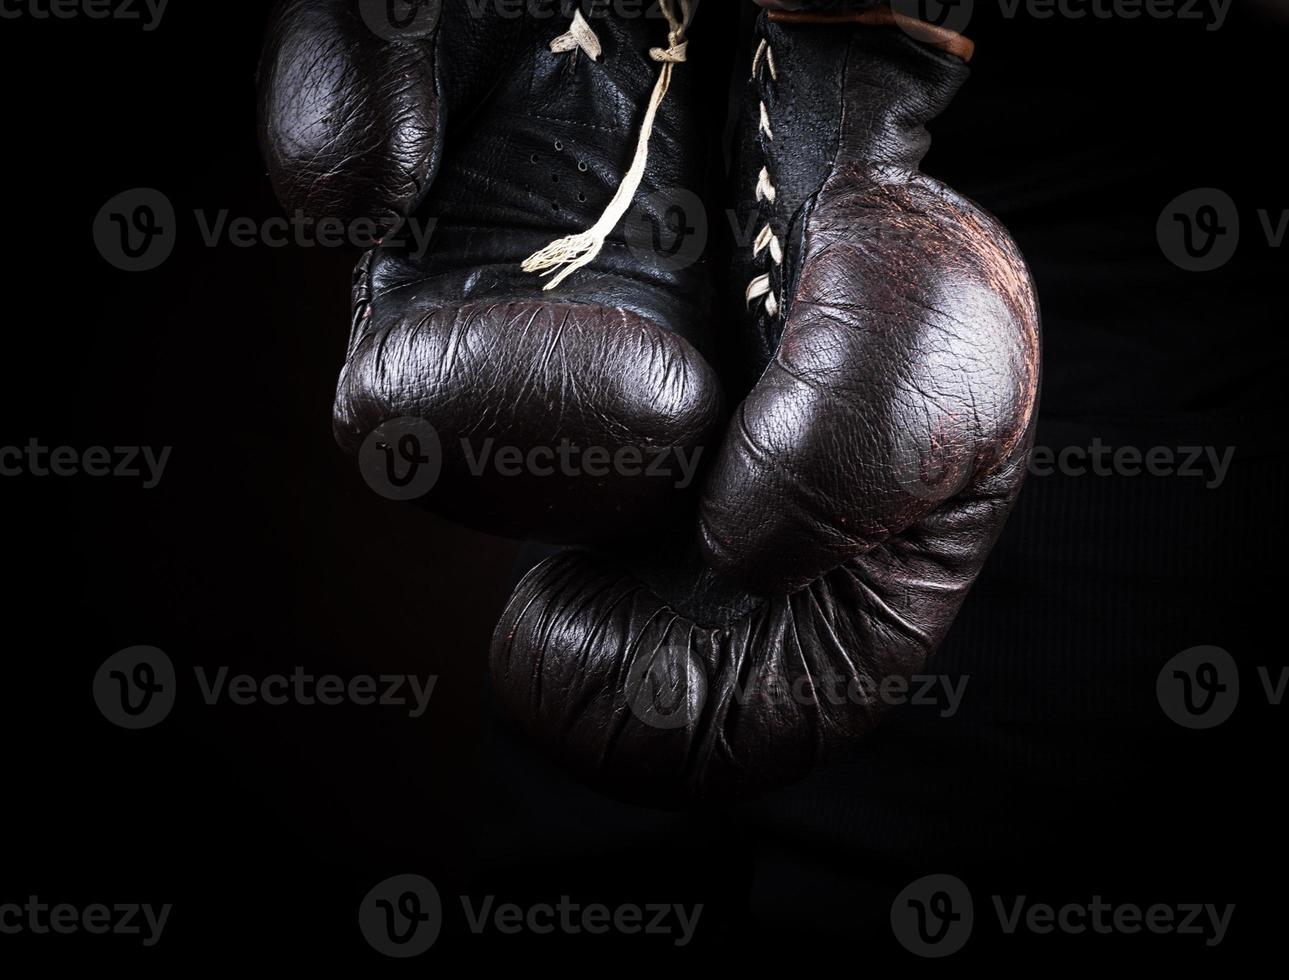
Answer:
x=580 y=35
x=763 y=285
x=567 y=255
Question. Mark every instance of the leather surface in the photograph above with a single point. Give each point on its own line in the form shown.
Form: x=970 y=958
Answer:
x=349 y=123
x=505 y=146
x=860 y=484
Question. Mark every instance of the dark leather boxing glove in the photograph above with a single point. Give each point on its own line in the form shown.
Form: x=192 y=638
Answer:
x=892 y=334
x=547 y=336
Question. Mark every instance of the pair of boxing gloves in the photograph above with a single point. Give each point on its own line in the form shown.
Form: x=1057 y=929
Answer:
x=847 y=373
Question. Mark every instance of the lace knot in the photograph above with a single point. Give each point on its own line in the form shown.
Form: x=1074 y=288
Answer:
x=579 y=36
x=674 y=54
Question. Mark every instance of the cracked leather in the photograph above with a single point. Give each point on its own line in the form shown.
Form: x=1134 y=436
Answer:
x=860 y=484
x=507 y=146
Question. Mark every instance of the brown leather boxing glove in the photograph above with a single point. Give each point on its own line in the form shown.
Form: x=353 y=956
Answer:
x=891 y=341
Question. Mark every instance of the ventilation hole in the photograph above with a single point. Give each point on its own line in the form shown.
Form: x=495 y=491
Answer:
x=559 y=145
x=581 y=165
x=535 y=158
x=581 y=197
x=554 y=178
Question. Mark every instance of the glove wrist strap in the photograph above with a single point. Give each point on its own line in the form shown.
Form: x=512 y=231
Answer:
x=932 y=35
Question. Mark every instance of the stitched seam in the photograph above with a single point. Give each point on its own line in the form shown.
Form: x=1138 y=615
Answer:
x=574 y=122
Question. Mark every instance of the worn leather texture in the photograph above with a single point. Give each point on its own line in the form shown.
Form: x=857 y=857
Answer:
x=861 y=482
x=502 y=145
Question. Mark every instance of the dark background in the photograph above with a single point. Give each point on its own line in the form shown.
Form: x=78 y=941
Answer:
x=262 y=549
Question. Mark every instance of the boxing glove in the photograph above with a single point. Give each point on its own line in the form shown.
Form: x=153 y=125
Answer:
x=890 y=338
x=547 y=346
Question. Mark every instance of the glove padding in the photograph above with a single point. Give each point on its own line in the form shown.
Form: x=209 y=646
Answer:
x=859 y=488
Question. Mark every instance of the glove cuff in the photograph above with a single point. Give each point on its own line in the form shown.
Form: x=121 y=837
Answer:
x=872 y=14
